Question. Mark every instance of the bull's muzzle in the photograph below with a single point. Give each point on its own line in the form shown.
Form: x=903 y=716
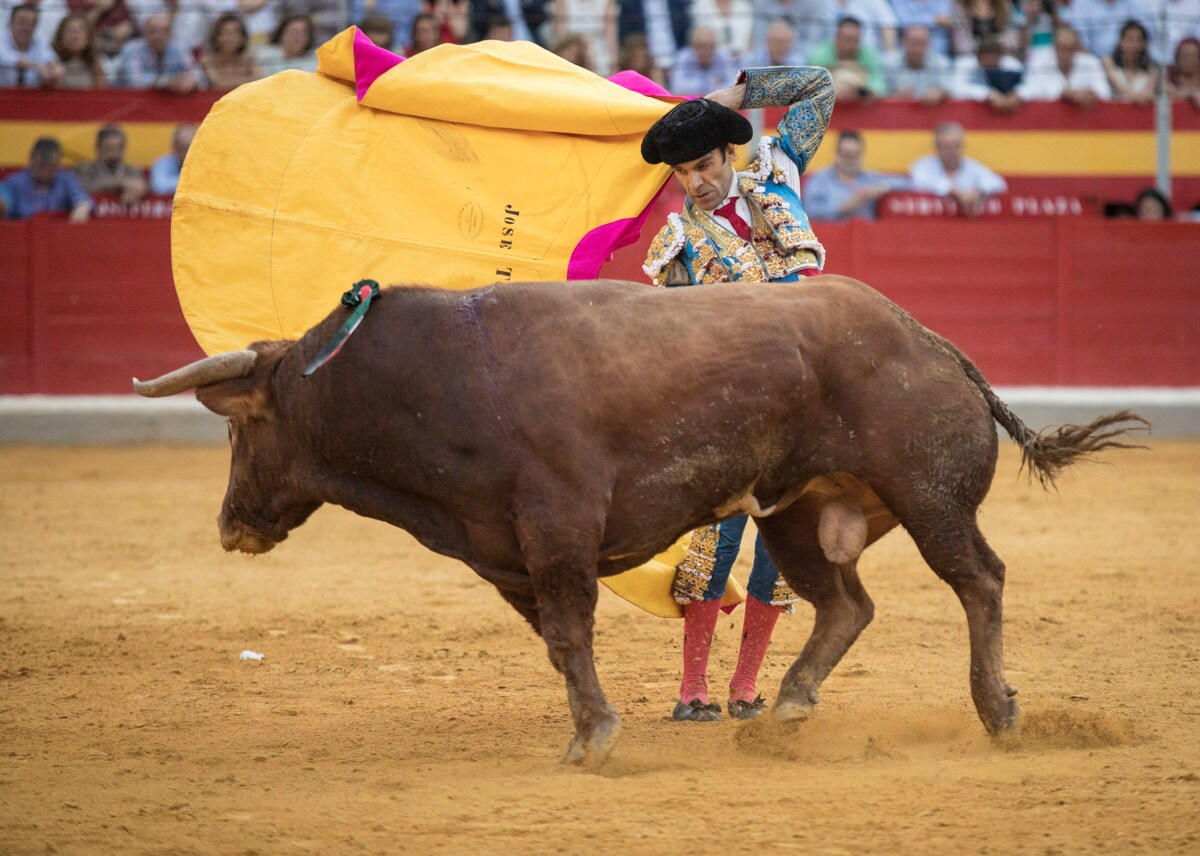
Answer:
x=237 y=537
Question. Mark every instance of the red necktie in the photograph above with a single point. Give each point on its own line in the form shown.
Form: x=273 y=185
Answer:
x=729 y=212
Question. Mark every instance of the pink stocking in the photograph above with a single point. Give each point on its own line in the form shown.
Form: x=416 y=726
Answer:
x=699 y=621
x=757 y=627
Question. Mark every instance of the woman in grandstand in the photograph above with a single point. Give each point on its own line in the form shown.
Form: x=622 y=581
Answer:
x=111 y=22
x=635 y=56
x=1183 y=77
x=291 y=47
x=426 y=33
x=573 y=47
x=75 y=44
x=226 y=62
x=452 y=17
x=1152 y=205
x=1130 y=72
x=978 y=19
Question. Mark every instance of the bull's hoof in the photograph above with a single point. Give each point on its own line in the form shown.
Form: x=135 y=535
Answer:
x=795 y=709
x=591 y=752
x=1007 y=718
x=739 y=709
x=696 y=711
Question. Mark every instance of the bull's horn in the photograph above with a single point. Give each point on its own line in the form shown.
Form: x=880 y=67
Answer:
x=218 y=367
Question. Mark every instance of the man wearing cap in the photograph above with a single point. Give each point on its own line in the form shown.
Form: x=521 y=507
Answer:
x=736 y=226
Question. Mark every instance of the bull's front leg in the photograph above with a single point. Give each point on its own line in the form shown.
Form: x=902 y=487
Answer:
x=564 y=578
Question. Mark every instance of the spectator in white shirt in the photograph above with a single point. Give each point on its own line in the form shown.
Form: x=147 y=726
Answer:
x=1066 y=73
x=25 y=60
x=50 y=14
x=949 y=173
x=731 y=20
x=1131 y=74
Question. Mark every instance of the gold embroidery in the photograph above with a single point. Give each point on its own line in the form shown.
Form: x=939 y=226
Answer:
x=694 y=572
x=784 y=596
x=779 y=244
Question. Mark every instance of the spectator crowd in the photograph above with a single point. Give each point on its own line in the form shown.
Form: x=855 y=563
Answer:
x=44 y=185
x=1000 y=52
x=1004 y=52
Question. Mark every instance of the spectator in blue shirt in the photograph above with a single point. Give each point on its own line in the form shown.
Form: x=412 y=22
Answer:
x=916 y=72
x=152 y=62
x=845 y=190
x=702 y=67
x=936 y=15
x=45 y=187
x=779 y=48
x=164 y=172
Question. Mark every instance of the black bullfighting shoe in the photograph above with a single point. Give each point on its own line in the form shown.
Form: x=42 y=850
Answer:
x=747 y=709
x=696 y=711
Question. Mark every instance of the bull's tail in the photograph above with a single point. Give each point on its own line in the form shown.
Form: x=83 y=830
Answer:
x=1046 y=453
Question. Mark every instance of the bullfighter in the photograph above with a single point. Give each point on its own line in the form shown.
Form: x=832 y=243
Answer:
x=736 y=226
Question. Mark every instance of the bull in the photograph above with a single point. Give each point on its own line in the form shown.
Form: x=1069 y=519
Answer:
x=549 y=434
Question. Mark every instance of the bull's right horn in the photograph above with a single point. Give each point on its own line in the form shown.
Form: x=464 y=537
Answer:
x=212 y=369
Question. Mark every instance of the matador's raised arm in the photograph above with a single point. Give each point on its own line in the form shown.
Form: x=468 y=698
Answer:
x=808 y=93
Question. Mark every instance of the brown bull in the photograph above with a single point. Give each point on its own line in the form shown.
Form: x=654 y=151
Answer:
x=549 y=434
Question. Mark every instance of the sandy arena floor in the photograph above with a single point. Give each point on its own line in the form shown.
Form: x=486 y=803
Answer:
x=403 y=708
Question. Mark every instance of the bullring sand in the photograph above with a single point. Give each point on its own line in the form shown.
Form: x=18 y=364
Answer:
x=401 y=707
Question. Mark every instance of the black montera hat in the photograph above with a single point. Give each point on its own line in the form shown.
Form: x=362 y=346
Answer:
x=692 y=129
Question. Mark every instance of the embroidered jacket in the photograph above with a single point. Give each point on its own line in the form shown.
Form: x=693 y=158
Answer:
x=693 y=248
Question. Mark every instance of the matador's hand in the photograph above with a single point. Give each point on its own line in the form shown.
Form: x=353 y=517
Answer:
x=731 y=97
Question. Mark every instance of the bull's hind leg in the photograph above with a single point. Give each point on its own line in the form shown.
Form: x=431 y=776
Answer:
x=564 y=580
x=958 y=553
x=842 y=605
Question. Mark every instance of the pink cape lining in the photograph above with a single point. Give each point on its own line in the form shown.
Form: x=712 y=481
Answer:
x=370 y=61
x=594 y=248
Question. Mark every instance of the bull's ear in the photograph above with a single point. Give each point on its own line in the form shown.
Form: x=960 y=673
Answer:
x=242 y=397
x=250 y=396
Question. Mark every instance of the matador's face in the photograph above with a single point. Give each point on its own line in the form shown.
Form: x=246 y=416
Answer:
x=707 y=179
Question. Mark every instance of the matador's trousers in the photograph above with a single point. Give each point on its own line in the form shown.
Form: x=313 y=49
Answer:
x=704 y=573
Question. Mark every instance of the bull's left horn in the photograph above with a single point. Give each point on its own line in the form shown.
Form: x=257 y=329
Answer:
x=212 y=369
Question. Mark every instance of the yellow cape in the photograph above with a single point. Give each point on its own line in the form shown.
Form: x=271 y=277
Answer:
x=649 y=585
x=462 y=166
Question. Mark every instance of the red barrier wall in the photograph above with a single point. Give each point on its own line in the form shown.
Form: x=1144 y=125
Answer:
x=1062 y=301
x=87 y=307
x=1055 y=301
